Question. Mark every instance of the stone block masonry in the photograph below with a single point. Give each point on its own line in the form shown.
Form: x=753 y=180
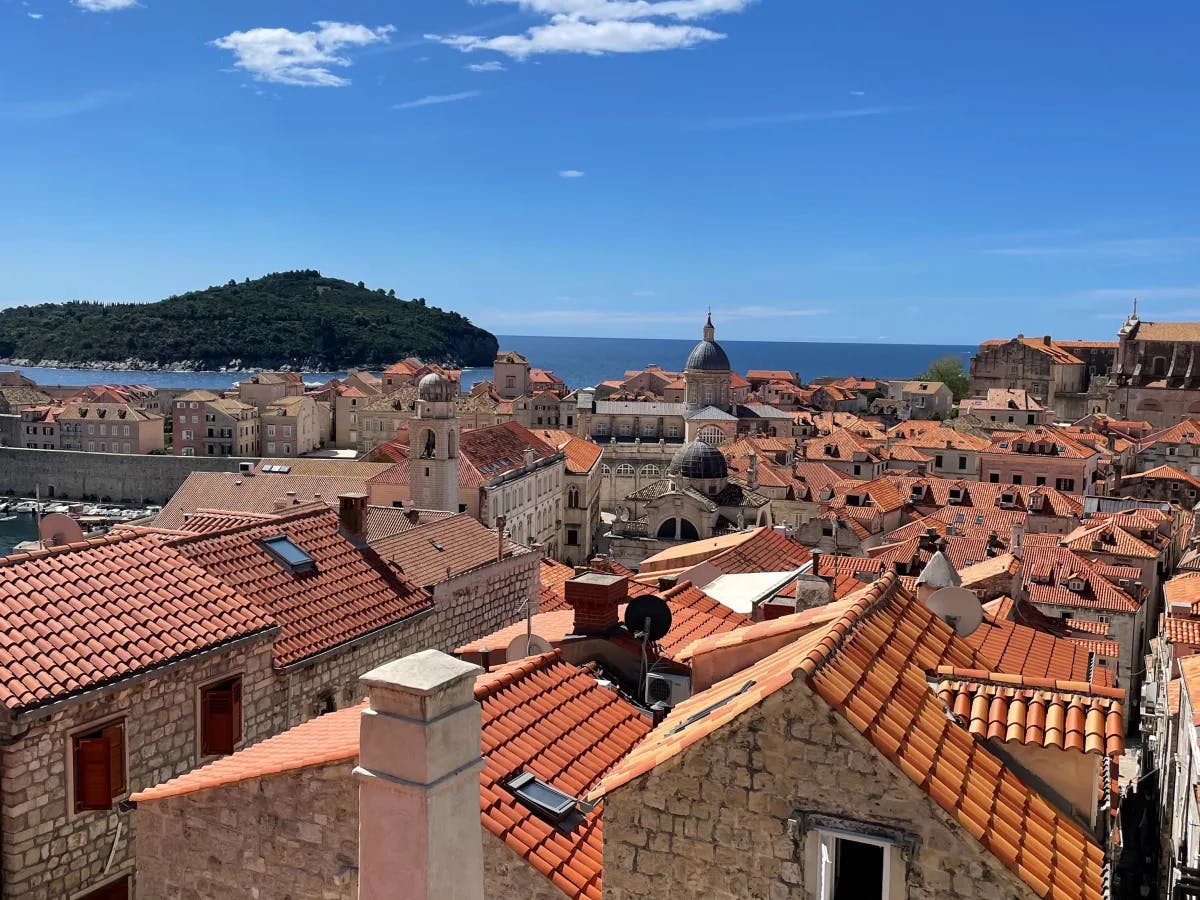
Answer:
x=722 y=819
x=50 y=852
x=115 y=477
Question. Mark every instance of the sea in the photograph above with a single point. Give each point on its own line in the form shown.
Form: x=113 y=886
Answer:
x=586 y=361
x=21 y=527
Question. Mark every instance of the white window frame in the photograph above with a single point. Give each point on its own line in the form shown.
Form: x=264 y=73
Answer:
x=826 y=853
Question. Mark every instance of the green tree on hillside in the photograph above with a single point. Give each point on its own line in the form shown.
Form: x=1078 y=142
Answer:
x=949 y=371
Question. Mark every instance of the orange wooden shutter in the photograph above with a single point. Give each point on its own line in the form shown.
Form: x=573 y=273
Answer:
x=115 y=734
x=93 y=781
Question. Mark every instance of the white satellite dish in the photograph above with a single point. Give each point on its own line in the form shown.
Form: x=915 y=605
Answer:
x=524 y=645
x=57 y=529
x=957 y=607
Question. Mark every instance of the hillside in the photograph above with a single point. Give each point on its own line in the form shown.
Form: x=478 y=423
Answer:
x=298 y=319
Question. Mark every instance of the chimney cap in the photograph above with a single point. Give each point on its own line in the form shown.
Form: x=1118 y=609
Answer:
x=939 y=572
x=601 y=578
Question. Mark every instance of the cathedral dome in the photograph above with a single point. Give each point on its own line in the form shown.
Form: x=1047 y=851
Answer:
x=697 y=459
x=707 y=356
x=436 y=388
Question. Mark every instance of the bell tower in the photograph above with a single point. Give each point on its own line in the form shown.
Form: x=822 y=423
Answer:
x=433 y=446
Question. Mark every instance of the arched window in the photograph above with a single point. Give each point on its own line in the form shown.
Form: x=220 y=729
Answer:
x=711 y=434
x=650 y=471
x=427 y=443
x=605 y=470
x=624 y=470
x=573 y=498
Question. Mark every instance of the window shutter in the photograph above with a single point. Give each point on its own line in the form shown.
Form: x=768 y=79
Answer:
x=115 y=735
x=93 y=780
x=237 y=711
x=217 y=712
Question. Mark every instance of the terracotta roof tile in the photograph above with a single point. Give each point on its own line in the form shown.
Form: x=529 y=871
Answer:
x=82 y=615
x=1043 y=712
x=1058 y=442
x=553 y=576
x=870 y=666
x=1021 y=648
x=439 y=550
x=1187 y=431
x=582 y=456
x=1047 y=572
x=258 y=493
x=350 y=593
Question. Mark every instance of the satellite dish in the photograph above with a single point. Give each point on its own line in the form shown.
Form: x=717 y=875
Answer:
x=957 y=607
x=524 y=645
x=652 y=607
x=57 y=529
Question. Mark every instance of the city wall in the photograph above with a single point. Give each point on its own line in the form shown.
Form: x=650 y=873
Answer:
x=114 y=477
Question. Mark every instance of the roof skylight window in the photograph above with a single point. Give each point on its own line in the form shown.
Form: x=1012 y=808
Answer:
x=542 y=798
x=290 y=555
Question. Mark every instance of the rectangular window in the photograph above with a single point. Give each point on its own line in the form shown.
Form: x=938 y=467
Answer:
x=221 y=717
x=270 y=431
x=937 y=461
x=572 y=537
x=1016 y=479
x=98 y=759
x=1065 y=484
x=994 y=477
x=854 y=868
x=962 y=462
x=1039 y=480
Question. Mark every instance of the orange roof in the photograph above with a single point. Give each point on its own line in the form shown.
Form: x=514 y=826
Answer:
x=257 y=493
x=1025 y=649
x=350 y=593
x=1163 y=473
x=944 y=439
x=1108 y=538
x=540 y=715
x=1181 y=630
x=1056 y=442
x=870 y=666
x=553 y=576
x=1187 y=431
x=582 y=455
x=694 y=615
x=1069 y=715
x=695 y=552
x=442 y=549
x=325 y=739
x=1184 y=588
x=1046 y=572
x=496 y=449
x=78 y=616
x=1056 y=351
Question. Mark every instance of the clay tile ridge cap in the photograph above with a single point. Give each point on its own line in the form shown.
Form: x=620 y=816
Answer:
x=498 y=679
x=115 y=538
x=303 y=511
x=874 y=596
x=1026 y=681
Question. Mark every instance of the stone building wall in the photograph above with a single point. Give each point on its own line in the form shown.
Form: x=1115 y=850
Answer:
x=289 y=835
x=507 y=876
x=50 y=852
x=484 y=600
x=720 y=820
x=302 y=690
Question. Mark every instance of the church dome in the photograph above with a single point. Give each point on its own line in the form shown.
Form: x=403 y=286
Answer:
x=708 y=356
x=697 y=459
x=436 y=388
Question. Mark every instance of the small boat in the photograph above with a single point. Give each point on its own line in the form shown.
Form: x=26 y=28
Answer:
x=7 y=518
x=25 y=506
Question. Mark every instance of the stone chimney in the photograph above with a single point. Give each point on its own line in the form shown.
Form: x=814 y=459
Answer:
x=595 y=597
x=352 y=516
x=419 y=834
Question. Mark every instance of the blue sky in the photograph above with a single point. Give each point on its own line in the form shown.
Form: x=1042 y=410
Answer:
x=932 y=172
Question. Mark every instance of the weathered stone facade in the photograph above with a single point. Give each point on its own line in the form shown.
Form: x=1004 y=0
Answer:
x=288 y=835
x=507 y=876
x=724 y=819
x=484 y=600
x=51 y=852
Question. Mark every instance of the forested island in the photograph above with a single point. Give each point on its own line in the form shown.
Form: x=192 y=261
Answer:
x=298 y=320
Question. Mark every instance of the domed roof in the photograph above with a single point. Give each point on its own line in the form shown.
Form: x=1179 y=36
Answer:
x=708 y=356
x=436 y=388
x=697 y=459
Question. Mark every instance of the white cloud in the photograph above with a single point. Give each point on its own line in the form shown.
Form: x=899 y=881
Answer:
x=490 y=66
x=105 y=5
x=597 y=27
x=300 y=58
x=435 y=99
x=1108 y=250
x=858 y=93
x=34 y=15
x=571 y=173
x=798 y=117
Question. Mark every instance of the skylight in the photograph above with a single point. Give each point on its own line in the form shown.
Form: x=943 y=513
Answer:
x=540 y=797
x=289 y=554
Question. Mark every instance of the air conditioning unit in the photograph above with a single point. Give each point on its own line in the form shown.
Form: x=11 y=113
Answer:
x=1150 y=698
x=669 y=689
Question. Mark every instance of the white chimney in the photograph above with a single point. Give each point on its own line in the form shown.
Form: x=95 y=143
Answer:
x=419 y=834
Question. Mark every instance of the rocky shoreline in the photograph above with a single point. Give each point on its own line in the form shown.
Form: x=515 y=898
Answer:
x=234 y=367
